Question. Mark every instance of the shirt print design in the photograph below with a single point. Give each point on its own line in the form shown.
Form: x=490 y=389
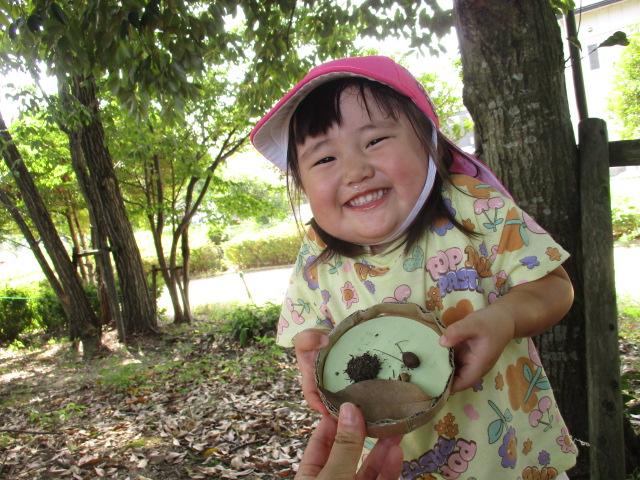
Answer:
x=507 y=426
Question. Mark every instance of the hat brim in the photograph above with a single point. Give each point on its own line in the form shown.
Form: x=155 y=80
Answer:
x=270 y=135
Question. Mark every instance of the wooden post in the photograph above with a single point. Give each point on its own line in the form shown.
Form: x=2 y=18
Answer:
x=601 y=325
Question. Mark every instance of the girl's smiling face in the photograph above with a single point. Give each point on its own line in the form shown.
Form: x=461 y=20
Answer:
x=363 y=177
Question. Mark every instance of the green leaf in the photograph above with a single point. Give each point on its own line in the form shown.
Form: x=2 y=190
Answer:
x=495 y=430
x=58 y=14
x=618 y=38
x=543 y=384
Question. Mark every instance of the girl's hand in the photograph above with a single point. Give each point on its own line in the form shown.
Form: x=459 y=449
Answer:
x=526 y=310
x=307 y=343
x=478 y=341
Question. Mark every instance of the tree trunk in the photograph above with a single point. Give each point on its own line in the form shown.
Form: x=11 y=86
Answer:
x=107 y=289
x=137 y=304
x=75 y=240
x=83 y=322
x=514 y=88
x=186 y=277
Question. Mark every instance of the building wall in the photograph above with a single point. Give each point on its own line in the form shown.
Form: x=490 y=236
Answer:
x=596 y=21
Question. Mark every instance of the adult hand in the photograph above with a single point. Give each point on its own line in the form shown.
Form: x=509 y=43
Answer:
x=335 y=448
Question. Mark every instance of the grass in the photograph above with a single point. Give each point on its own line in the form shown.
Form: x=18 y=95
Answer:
x=629 y=319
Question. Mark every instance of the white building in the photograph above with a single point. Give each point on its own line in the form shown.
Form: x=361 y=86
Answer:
x=596 y=21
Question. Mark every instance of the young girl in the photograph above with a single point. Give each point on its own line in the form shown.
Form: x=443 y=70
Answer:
x=402 y=215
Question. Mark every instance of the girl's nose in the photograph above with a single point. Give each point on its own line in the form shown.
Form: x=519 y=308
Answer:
x=357 y=169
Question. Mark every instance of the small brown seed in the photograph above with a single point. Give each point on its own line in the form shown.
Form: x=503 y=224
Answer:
x=404 y=377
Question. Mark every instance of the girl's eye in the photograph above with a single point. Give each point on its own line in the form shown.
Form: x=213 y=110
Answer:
x=376 y=141
x=325 y=160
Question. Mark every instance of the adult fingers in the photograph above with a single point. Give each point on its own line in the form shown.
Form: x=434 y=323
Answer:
x=317 y=452
x=347 y=446
x=384 y=462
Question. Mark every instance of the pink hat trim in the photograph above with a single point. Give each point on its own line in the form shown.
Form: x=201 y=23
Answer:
x=270 y=135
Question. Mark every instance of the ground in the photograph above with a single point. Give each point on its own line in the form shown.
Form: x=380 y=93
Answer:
x=188 y=404
x=204 y=408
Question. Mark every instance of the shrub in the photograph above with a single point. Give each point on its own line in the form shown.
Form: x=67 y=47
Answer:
x=265 y=251
x=249 y=322
x=625 y=217
x=49 y=311
x=16 y=312
x=207 y=259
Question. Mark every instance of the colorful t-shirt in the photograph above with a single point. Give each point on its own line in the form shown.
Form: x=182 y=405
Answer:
x=508 y=425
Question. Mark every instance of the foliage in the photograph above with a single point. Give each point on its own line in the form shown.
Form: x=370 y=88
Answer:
x=245 y=198
x=207 y=259
x=625 y=210
x=123 y=377
x=16 y=312
x=561 y=7
x=446 y=97
x=34 y=307
x=625 y=99
x=264 y=251
x=249 y=322
x=629 y=319
x=50 y=314
x=625 y=218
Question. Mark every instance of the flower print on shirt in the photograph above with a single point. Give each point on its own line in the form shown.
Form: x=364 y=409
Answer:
x=524 y=380
x=324 y=310
x=530 y=262
x=370 y=286
x=544 y=458
x=310 y=273
x=349 y=295
x=565 y=442
x=509 y=449
x=500 y=279
x=554 y=254
x=435 y=299
x=442 y=225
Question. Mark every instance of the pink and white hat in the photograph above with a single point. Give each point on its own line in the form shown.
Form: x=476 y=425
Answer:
x=271 y=135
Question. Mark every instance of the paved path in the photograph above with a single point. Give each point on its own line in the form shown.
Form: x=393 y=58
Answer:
x=263 y=285
x=271 y=284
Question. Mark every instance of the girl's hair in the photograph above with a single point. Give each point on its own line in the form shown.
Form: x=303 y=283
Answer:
x=320 y=110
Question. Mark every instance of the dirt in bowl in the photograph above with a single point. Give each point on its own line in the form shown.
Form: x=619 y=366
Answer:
x=363 y=367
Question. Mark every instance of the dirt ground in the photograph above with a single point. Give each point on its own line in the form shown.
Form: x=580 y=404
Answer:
x=189 y=407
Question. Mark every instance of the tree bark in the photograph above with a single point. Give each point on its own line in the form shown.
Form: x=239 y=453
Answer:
x=83 y=322
x=137 y=303
x=514 y=88
x=107 y=289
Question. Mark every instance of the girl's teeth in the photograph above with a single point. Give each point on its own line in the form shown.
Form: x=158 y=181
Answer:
x=364 y=199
